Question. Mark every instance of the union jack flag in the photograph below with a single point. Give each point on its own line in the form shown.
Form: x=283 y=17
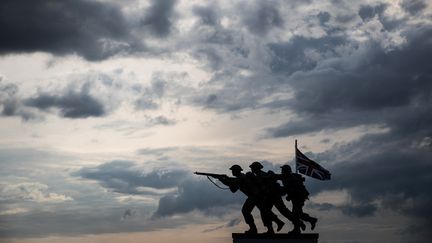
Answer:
x=309 y=167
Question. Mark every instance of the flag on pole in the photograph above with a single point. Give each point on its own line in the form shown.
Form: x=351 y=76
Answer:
x=309 y=167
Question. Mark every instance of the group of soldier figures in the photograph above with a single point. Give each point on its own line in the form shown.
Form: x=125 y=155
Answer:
x=264 y=192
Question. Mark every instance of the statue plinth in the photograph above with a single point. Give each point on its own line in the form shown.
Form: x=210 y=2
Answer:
x=275 y=238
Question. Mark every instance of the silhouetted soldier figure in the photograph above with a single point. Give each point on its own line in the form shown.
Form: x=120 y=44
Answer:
x=247 y=184
x=273 y=193
x=296 y=193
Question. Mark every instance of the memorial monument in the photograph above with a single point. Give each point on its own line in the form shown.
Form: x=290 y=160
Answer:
x=265 y=191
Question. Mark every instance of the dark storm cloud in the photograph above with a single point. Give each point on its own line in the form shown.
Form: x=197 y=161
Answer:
x=230 y=93
x=90 y=29
x=196 y=194
x=159 y=17
x=211 y=57
x=313 y=123
x=388 y=88
x=291 y=56
x=208 y=14
x=70 y=105
x=368 y=12
x=323 y=17
x=359 y=210
x=263 y=17
x=383 y=168
x=226 y=100
x=11 y=104
x=384 y=86
x=127 y=177
x=413 y=6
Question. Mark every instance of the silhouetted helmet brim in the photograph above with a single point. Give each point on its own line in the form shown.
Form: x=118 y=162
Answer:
x=236 y=167
x=256 y=165
x=286 y=167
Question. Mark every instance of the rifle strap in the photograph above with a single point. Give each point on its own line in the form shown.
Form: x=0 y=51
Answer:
x=208 y=177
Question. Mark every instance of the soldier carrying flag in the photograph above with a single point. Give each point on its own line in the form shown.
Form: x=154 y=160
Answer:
x=293 y=185
x=309 y=167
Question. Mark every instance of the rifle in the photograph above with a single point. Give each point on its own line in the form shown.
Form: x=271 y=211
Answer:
x=217 y=176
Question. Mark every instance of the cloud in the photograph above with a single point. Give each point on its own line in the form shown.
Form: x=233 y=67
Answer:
x=293 y=56
x=161 y=120
x=151 y=96
x=349 y=209
x=231 y=223
x=370 y=12
x=191 y=194
x=323 y=17
x=70 y=105
x=262 y=17
x=201 y=195
x=210 y=56
x=367 y=12
x=359 y=210
x=91 y=29
x=208 y=15
x=31 y=191
x=194 y=194
x=156 y=151
x=381 y=172
x=94 y=220
x=11 y=103
x=128 y=214
x=159 y=17
x=129 y=178
x=337 y=96
x=414 y=6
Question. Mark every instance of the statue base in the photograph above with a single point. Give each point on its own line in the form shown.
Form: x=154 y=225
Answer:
x=275 y=238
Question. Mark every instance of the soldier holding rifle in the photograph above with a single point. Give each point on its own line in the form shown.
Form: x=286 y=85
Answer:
x=247 y=184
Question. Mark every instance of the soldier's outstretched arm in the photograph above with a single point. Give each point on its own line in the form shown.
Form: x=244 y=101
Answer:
x=231 y=182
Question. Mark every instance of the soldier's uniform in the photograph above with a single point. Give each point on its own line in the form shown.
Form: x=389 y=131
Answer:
x=246 y=183
x=293 y=185
x=273 y=192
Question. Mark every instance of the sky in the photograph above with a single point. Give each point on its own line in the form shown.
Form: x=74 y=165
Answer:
x=108 y=107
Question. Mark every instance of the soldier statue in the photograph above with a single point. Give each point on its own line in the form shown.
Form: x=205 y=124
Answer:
x=273 y=192
x=263 y=191
x=247 y=184
x=293 y=186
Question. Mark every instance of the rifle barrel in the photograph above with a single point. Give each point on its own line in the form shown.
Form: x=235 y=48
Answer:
x=209 y=174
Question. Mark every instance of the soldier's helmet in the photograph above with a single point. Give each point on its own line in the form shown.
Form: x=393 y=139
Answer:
x=256 y=165
x=236 y=167
x=286 y=169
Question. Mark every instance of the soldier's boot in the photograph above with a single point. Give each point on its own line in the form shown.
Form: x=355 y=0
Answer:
x=270 y=230
x=279 y=224
x=251 y=222
x=299 y=224
x=252 y=229
x=312 y=222
x=295 y=231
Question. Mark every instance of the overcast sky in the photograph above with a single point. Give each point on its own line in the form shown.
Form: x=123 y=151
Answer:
x=107 y=107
